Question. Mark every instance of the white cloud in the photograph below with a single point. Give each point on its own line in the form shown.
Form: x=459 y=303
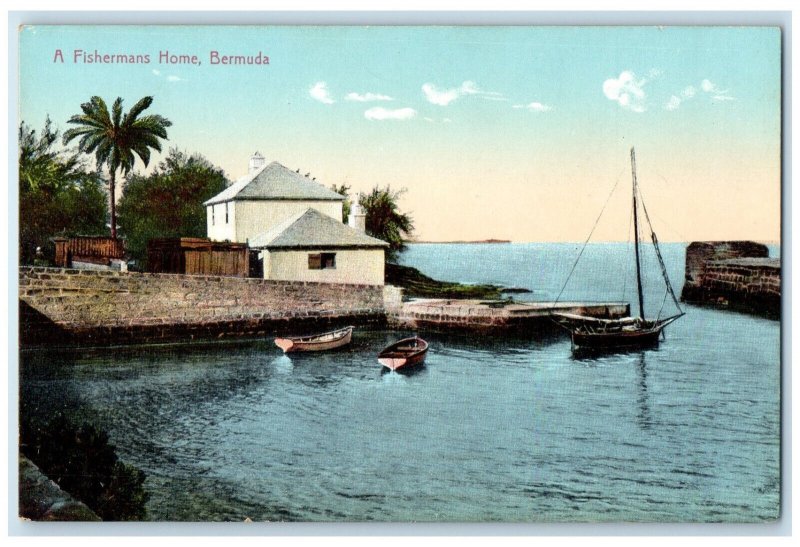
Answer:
x=319 y=91
x=381 y=113
x=169 y=78
x=673 y=103
x=444 y=97
x=716 y=93
x=690 y=92
x=534 y=107
x=626 y=91
x=367 y=97
x=432 y=120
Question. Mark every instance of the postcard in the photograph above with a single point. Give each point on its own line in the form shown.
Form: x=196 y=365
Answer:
x=518 y=274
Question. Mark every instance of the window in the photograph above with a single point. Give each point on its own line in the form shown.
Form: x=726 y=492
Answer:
x=212 y=214
x=322 y=261
x=226 y=212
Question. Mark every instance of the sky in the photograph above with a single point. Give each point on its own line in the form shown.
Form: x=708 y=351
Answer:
x=515 y=133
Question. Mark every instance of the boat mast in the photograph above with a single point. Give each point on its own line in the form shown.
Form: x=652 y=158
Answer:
x=636 y=236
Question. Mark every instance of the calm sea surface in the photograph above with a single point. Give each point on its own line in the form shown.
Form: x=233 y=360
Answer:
x=491 y=429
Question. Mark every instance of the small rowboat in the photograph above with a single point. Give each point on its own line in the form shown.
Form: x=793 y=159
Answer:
x=405 y=353
x=316 y=342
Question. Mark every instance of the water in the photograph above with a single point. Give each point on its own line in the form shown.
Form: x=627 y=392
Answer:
x=511 y=429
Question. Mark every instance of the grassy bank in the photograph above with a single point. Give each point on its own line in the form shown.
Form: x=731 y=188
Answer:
x=416 y=284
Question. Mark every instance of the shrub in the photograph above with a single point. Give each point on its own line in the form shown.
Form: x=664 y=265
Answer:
x=82 y=462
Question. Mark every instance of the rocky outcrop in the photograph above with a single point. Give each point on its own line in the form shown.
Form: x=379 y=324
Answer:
x=734 y=274
x=42 y=499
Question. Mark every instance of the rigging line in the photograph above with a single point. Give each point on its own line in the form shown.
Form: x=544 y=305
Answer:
x=627 y=247
x=658 y=254
x=661 y=221
x=663 y=301
x=587 y=240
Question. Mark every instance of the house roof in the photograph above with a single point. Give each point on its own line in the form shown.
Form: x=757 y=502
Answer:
x=311 y=229
x=275 y=182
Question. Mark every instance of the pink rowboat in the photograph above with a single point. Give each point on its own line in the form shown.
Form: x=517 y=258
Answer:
x=405 y=353
x=316 y=342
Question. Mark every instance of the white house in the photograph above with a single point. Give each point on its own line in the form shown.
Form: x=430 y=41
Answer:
x=266 y=196
x=296 y=226
x=311 y=246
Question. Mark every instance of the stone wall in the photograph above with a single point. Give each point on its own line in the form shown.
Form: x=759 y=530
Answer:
x=699 y=253
x=65 y=306
x=734 y=274
x=497 y=317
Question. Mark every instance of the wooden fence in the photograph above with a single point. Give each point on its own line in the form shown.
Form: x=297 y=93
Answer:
x=197 y=256
x=97 y=249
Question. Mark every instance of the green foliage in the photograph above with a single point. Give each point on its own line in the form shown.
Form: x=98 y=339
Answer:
x=57 y=195
x=81 y=462
x=384 y=219
x=418 y=285
x=168 y=202
x=114 y=138
x=343 y=190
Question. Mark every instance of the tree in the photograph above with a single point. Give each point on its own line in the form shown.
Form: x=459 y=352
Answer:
x=384 y=219
x=343 y=190
x=168 y=202
x=114 y=138
x=57 y=195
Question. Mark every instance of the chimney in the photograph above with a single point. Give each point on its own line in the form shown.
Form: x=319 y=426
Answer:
x=357 y=219
x=257 y=161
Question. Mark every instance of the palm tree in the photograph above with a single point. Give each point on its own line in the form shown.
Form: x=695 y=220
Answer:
x=384 y=219
x=114 y=138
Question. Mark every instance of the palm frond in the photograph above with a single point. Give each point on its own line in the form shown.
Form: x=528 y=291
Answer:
x=98 y=110
x=76 y=132
x=132 y=115
x=154 y=124
x=90 y=141
x=143 y=151
x=117 y=112
x=146 y=138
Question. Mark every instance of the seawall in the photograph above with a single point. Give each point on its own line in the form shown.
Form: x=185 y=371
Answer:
x=495 y=316
x=734 y=274
x=60 y=307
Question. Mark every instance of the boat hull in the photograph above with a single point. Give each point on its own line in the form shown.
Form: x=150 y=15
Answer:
x=321 y=342
x=404 y=354
x=397 y=363
x=632 y=339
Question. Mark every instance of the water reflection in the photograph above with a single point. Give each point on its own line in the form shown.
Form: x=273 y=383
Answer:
x=283 y=364
x=497 y=344
x=593 y=354
x=643 y=417
x=638 y=358
x=408 y=371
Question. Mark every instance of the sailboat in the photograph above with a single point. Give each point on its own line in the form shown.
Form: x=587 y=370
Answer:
x=627 y=332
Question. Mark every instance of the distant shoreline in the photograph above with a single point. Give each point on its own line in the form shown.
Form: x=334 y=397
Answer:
x=494 y=241
x=470 y=242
